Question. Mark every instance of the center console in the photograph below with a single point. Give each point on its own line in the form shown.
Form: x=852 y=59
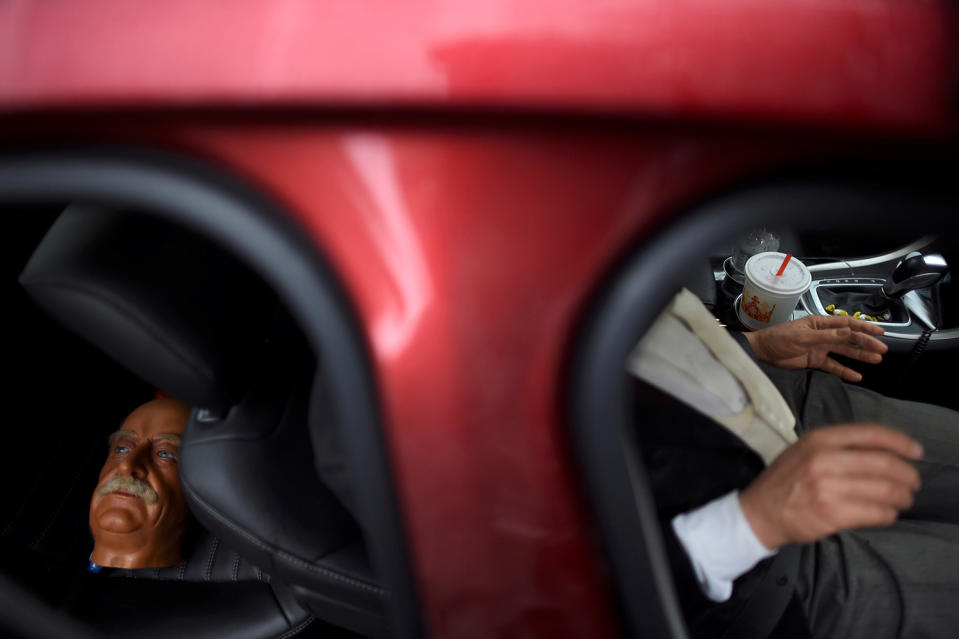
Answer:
x=854 y=285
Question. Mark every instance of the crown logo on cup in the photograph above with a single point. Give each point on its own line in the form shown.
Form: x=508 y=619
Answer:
x=759 y=312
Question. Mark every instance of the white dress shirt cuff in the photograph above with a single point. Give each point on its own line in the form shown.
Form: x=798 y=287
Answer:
x=720 y=543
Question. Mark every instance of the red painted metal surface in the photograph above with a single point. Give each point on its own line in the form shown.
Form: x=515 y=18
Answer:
x=871 y=63
x=469 y=253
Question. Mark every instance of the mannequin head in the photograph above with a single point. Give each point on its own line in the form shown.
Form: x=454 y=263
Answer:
x=138 y=514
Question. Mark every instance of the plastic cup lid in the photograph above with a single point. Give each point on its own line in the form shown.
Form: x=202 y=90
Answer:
x=762 y=268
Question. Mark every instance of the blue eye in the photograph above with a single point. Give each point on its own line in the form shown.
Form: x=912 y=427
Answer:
x=166 y=454
x=119 y=450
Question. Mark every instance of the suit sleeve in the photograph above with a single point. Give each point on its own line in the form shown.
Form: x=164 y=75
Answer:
x=744 y=343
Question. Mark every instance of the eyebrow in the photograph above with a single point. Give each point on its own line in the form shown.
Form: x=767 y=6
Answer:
x=122 y=433
x=170 y=437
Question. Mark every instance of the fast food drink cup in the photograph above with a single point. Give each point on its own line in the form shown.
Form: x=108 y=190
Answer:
x=769 y=298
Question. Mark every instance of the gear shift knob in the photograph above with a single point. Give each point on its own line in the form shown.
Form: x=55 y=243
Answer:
x=915 y=271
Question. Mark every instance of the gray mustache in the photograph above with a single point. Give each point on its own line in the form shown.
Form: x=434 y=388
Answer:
x=131 y=485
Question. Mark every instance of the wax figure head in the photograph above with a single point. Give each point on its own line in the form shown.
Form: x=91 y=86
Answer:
x=138 y=514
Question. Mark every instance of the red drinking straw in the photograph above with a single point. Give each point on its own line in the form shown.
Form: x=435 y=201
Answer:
x=782 y=269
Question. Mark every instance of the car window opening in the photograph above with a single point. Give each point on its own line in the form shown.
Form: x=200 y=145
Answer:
x=682 y=395
x=114 y=306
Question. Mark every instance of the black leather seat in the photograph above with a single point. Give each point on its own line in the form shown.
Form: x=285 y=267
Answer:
x=187 y=319
x=213 y=592
x=250 y=476
x=169 y=306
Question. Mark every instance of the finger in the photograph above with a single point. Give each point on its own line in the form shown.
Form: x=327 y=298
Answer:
x=853 y=352
x=862 y=514
x=867 y=342
x=863 y=326
x=868 y=436
x=845 y=336
x=874 y=490
x=865 y=464
x=833 y=367
x=841 y=321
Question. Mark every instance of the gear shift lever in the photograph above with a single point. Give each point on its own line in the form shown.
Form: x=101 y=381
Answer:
x=915 y=271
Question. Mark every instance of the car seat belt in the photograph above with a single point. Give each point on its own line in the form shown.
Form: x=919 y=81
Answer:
x=688 y=355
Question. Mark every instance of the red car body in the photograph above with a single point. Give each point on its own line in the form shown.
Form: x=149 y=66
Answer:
x=472 y=171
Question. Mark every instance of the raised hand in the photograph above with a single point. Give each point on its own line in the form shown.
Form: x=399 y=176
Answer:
x=809 y=342
x=834 y=478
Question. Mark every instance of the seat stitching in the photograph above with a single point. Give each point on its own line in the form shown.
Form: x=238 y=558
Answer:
x=236 y=567
x=293 y=631
x=209 y=561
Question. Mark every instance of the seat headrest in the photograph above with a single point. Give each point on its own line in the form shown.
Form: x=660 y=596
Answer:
x=166 y=304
